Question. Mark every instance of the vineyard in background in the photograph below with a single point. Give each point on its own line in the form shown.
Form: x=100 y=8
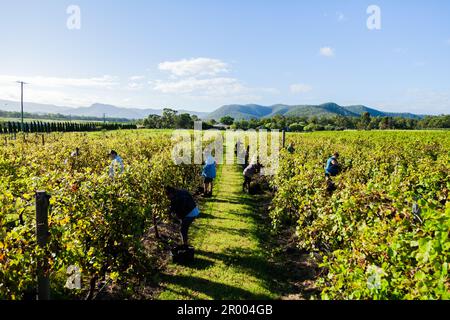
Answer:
x=384 y=233
x=95 y=222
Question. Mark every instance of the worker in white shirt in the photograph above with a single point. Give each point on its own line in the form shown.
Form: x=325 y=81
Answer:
x=72 y=160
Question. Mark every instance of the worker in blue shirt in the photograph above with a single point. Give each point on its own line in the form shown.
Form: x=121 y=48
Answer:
x=116 y=164
x=331 y=169
x=209 y=174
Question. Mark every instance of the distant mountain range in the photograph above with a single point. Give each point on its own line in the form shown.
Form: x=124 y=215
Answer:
x=251 y=111
x=239 y=112
x=95 y=110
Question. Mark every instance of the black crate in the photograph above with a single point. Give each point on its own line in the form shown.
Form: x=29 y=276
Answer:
x=182 y=254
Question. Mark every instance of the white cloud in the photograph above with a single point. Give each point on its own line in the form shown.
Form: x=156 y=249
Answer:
x=300 y=88
x=212 y=86
x=135 y=85
x=194 y=67
x=340 y=16
x=48 y=96
x=105 y=81
x=211 y=89
x=185 y=80
x=448 y=41
x=136 y=78
x=58 y=90
x=326 y=51
x=198 y=79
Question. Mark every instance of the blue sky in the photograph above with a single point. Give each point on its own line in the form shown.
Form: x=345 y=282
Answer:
x=200 y=54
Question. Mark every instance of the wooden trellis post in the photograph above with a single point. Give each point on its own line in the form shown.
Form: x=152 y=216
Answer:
x=42 y=205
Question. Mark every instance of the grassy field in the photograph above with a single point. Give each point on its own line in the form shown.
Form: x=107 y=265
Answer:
x=231 y=262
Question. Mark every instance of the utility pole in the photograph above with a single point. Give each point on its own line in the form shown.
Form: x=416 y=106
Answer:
x=21 y=100
x=104 y=118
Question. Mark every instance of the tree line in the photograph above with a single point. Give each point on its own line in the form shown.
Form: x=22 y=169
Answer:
x=57 y=116
x=324 y=123
x=47 y=127
x=170 y=119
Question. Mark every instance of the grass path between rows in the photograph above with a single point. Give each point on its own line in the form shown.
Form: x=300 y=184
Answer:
x=230 y=261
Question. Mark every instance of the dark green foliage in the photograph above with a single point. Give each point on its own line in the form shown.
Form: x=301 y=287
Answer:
x=365 y=122
x=169 y=120
x=11 y=127
x=227 y=120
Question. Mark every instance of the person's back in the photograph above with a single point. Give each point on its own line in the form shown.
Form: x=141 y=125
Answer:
x=250 y=170
x=116 y=161
x=209 y=174
x=182 y=203
x=209 y=169
x=119 y=160
x=332 y=166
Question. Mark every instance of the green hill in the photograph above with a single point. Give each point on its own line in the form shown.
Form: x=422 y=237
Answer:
x=359 y=110
x=254 y=111
x=250 y=111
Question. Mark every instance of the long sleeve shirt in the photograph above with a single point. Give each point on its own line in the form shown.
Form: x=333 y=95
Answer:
x=182 y=204
x=116 y=162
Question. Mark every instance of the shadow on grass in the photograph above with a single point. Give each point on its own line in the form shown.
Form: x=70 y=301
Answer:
x=234 y=200
x=277 y=274
x=231 y=231
x=208 y=216
x=256 y=263
x=238 y=200
x=199 y=264
x=214 y=290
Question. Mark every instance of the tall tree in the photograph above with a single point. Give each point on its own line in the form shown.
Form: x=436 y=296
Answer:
x=227 y=120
